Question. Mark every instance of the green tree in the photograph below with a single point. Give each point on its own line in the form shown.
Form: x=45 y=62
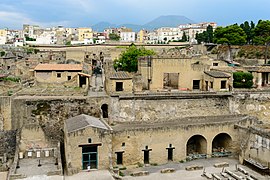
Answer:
x=230 y=35
x=242 y=80
x=128 y=60
x=2 y=53
x=262 y=33
x=248 y=30
x=206 y=36
x=114 y=37
x=184 y=37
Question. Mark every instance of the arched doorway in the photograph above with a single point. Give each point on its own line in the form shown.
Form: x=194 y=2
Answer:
x=197 y=144
x=104 y=109
x=222 y=143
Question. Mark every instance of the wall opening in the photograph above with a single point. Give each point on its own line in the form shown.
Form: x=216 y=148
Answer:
x=82 y=80
x=223 y=84
x=196 y=84
x=119 y=157
x=170 y=152
x=104 y=109
x=170 y=80
x=119 y=86
x=197 y=144
x=89 y=157
x=146 y=157
x=222 y=143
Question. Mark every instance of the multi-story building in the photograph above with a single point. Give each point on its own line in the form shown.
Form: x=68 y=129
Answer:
x=3 y=36
x=192 y=29
x=127 y=36
x=85 y=35
x=142 y=36
x=166 y=34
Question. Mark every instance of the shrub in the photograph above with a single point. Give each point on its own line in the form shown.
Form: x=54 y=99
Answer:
x=242 y=80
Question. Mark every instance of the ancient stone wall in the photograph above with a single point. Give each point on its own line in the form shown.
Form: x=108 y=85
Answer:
x=154 y=110
x=5 y=113
x=255 y=104
x=49 y=113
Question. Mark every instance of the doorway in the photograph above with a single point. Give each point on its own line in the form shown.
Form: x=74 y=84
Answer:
x=146 y=157
x=89 y=157
x=119 y=158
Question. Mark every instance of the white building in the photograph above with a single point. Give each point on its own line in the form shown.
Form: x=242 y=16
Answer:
x=166 y=34
x=192 y=29
x=127 y=37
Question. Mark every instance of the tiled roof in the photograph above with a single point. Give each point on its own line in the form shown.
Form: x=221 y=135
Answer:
x=217 y=74
x=59 y=67
x=120 y=75
x=82 y=121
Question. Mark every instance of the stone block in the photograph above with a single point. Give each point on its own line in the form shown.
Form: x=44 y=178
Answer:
x=167 y=170
x=194 y=167
x=140 y=173
x=222 y=164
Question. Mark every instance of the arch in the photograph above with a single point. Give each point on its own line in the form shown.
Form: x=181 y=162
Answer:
x=104 y=109
x=221 y=142
x=196 y=144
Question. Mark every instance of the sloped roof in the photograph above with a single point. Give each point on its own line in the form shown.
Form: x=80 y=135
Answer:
x=82 y=121
x=59 y=67
x=120 y=75
x=217 y=74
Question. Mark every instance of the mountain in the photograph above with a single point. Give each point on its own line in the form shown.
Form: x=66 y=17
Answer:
x=162 y=21
x=167 y=21
x=102 y=25
x=134 y=27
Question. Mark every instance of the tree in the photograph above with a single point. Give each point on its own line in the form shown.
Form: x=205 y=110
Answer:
x=206 y=36
x=248 y=30
x=114 y=37
x=262 y=33
x=242 y=80
x=128 y=60
x=184 y=37
x=230 y=35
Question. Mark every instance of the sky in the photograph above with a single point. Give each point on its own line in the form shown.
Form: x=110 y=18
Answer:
x=85 y=13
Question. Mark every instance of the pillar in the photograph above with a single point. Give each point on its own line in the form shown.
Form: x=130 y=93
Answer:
x=259 y=82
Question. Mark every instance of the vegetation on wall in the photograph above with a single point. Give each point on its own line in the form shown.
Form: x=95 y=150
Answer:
x=242 y=80
x=128 y=60
x=2 y=53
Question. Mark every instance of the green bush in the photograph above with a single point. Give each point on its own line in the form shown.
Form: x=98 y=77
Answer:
x=242 y=80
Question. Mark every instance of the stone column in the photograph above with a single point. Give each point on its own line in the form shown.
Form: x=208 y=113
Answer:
x=259 y=82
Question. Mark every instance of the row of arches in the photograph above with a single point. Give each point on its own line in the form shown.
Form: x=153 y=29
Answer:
x=198 y=144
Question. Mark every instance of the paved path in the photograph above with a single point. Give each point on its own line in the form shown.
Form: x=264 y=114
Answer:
x=93 y=175
x=182 y=174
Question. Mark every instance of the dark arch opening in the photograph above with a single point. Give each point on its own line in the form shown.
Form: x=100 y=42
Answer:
x=197 y=144
x=222 y=143
x=104 y=109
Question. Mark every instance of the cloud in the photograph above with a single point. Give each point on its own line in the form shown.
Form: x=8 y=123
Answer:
x=16 y=20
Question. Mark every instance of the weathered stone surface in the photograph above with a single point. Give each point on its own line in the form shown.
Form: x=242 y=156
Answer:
x=167 y=170
x=194 y=167
x=222 y=164
x=140 y=173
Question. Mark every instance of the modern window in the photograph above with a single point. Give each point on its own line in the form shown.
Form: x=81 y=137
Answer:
x=89 y=157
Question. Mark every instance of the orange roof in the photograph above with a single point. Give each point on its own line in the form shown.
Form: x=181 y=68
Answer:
x=59 y=67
